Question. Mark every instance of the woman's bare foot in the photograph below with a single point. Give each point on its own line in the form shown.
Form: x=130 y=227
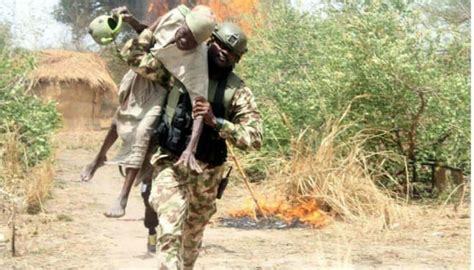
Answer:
x=88 y=171
x=117 y=209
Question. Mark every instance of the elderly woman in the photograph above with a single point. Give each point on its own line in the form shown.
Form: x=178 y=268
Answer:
x=172 y=46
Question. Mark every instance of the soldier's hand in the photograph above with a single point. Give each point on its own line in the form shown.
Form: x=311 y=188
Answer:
x=203 y=108
x=124 y=12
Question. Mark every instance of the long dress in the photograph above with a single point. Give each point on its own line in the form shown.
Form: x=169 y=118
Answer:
x=142 y=98
x=141 y=102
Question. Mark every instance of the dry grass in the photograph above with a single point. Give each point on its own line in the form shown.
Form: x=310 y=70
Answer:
x=11 y=170
x=22 y=186
x=38 y=186
x=67 y=66
x=337 y=176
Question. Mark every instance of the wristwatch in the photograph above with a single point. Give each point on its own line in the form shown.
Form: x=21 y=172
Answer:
x=219 y=123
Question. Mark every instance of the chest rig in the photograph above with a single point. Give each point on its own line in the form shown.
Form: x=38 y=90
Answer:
x=174 y=130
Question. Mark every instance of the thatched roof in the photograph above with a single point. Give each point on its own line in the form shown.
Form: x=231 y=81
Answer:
x=57 y=66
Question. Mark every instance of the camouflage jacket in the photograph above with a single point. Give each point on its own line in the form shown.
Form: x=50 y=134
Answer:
x=243 y=126
x=136 y=52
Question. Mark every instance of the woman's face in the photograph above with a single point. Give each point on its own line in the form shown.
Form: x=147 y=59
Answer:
x=184 y=38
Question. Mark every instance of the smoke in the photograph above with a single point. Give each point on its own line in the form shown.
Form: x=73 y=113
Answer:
x=230 y=10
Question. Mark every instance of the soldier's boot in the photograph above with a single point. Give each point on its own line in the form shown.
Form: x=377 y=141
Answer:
x=151 y=219
x=151 y=244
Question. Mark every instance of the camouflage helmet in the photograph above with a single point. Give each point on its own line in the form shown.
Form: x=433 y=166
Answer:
x=232 y=36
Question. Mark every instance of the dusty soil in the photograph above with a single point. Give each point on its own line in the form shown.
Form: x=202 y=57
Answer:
x=72 y=233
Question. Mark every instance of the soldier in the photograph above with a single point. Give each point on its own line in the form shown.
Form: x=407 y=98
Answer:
x=173 y=45
x=184 y=200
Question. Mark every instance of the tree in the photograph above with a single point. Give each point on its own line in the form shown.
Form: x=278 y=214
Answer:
x=79 y=13
x=452 y=12
x=408 y=85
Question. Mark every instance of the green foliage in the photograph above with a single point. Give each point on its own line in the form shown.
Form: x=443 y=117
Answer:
x=33 y=120
x=407 y=82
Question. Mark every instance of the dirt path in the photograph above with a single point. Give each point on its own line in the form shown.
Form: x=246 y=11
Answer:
x=72 y=233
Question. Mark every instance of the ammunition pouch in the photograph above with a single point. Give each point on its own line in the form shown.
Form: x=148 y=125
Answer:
x=211 y=147
x=175 y=136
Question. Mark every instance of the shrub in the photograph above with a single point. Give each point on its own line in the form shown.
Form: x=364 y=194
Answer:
x=32 y=119
x=407 y=81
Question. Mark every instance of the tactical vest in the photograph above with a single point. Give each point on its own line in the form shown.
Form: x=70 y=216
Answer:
x=174 y=130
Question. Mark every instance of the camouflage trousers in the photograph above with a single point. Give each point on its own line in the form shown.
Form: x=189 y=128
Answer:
x=185 y=202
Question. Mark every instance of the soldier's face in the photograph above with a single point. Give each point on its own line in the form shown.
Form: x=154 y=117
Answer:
x=221 y=55
x=184 y=38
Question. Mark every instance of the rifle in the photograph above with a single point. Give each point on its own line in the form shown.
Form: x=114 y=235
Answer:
x=223 y=184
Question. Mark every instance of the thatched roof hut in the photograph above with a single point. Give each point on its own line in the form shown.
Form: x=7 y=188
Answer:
x=81 y=85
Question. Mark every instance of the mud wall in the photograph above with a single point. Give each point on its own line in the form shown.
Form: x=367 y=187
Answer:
x=82 y=107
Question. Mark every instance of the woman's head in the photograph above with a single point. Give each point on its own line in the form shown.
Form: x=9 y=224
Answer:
x=198 y=27
x=185 y=39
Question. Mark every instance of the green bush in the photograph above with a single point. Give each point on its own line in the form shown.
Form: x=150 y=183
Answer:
x=407 y=81
x=34 y=120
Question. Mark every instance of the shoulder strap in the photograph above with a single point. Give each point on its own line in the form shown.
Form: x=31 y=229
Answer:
x=228 y=95
x=172 y=102
x=233 y=83
x=218 y=100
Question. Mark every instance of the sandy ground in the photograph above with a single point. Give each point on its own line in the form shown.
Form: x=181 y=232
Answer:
x=72 y=233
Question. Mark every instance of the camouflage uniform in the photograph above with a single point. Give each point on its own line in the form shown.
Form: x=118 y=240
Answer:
x=136 y=52
x=184 y=201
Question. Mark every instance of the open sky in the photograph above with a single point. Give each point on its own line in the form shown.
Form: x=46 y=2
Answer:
x=32 y=24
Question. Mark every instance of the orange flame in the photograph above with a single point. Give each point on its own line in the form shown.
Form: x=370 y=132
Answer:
x=307 y=212
x=230 y=10
x=234 y=10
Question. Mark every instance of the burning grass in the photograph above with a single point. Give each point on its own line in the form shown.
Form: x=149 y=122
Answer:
x=278 y=213
x=337 y=177
x=323 y=179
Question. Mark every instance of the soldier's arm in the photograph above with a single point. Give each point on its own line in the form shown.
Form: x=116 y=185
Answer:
x=129 y=18
x=244 y=128
x=136 y=52
x=137 y=25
